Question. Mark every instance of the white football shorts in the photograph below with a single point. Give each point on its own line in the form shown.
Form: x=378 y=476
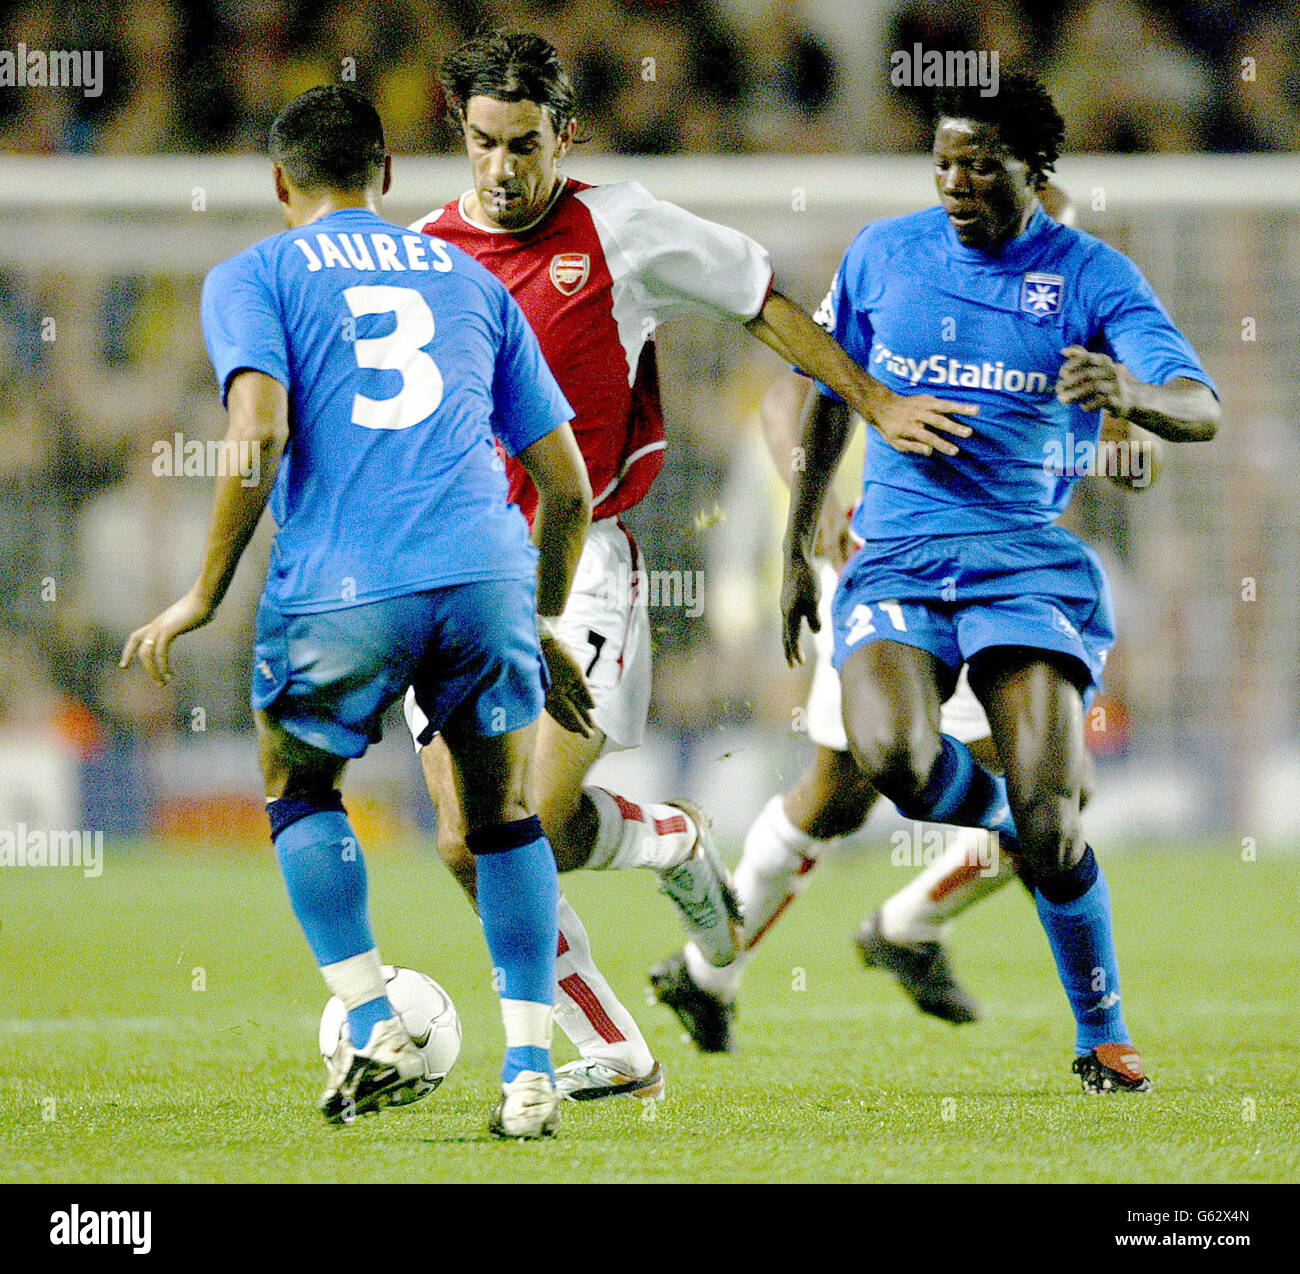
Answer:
x=606 y=625
x=962 y=717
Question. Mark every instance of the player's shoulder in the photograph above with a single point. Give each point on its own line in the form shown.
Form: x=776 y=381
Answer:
x=254 y=264
x=881 y=240
x=428 y=224
x=1093 y=261
x=891 y=234
x=620 y=203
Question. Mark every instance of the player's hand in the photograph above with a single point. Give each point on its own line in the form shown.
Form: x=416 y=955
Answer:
x=152 y=642
x=1096 y=382
x=569 y=699
x=1129 y=462
x=834 y=541
x=800 y=593
x=908 y=422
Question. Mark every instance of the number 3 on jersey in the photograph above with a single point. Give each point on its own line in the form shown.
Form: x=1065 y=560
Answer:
x=862 y=623
x=402 y=350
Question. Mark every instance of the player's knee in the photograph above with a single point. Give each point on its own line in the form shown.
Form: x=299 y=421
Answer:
x=1051 y=834
x=897 y=763
x=569 y=826
x=832 y=799
x=460 y=862
x=844 y=810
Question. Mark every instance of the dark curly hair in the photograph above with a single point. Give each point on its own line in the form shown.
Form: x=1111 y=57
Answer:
x=510 y=66
x=1023 y=112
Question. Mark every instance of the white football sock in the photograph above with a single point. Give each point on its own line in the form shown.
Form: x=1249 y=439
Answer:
x=527 y=1023
x=587 y=1010
x=356 y=980
x=773 y=871
x=968 y=869
x=629 y=835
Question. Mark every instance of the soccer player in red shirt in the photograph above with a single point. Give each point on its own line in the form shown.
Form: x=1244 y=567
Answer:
x=595 y=269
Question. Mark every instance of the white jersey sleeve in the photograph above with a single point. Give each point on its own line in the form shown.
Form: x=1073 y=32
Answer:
x=673 y=260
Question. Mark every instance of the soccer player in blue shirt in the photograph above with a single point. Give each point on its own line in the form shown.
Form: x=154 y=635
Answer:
x=1042 y=327
x=371 y=368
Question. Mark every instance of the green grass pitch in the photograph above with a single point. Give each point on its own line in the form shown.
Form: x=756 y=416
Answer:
x=158 y=1024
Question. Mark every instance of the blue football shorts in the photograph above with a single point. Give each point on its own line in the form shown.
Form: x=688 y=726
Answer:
x=956 y=595
x=470 y=651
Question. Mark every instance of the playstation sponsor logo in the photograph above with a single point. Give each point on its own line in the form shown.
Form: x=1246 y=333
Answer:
x=942 y=369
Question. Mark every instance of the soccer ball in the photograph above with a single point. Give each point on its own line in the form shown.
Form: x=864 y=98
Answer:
x=426 y=1011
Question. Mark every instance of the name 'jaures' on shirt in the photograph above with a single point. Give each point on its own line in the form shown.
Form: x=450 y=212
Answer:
x=403 y=358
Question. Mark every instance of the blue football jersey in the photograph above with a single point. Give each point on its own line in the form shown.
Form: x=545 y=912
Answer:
x=403 y=358
x=925 y=314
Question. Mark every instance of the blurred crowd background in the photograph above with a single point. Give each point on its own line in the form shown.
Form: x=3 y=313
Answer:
x=94 y=542
x=733 y=75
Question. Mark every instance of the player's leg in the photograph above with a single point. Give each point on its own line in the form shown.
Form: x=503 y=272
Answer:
x=325 y=875
x=904 y=936
x=972 y=866
x=313 y=714
x=606 y=625
x=481 y=685
x=615 y=1059
x=1035 y=710
x=781 y=848
x=517 y=892
x=831 y=800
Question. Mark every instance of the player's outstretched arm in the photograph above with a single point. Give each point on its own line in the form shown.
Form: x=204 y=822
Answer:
x=915 y=423
x=1184 y=410
x=258 y=410
x=556 y=467
x=827 y=425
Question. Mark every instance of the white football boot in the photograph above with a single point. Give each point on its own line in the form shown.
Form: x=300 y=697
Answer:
x=588 y=1079
x=529 y=1108
x=390 y=1071
x=701 y=890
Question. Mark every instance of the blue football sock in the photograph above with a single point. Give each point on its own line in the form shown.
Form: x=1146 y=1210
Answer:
x=1074 y=908
x=518 y=901
x=962 y=792
x=326 y=878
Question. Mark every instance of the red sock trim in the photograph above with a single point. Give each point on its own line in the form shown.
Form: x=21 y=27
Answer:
x=633 y=813
x=585 y=998
x=671 y=826
x=955 y=879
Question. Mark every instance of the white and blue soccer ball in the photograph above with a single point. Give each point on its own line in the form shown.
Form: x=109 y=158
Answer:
x=426 y=1011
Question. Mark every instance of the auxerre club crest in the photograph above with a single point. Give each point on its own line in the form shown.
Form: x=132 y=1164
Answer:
x=569 y=271
x=1039 y=293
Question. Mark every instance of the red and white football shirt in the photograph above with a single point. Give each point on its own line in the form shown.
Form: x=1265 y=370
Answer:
x=594 y=275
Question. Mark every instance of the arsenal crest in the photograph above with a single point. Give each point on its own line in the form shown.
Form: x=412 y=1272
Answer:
x=569 y=271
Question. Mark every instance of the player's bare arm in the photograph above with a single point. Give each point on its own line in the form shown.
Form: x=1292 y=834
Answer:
x=555 y=465
x=258 y=407
x=780 y=416
x=827 y=425
x=1184 y=410
x=908 y=423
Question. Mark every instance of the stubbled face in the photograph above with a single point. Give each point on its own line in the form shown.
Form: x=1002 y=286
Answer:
x=987 y=193
x=513 y=149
